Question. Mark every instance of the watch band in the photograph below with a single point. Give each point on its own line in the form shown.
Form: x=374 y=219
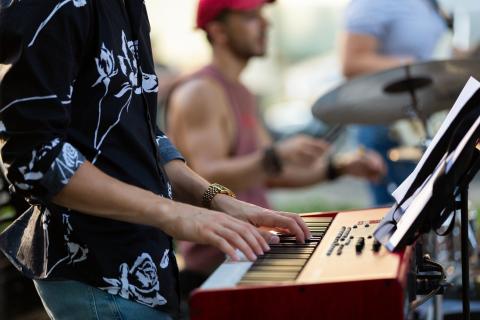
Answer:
x=271 y=162
x=332 y=171
x=212 y=191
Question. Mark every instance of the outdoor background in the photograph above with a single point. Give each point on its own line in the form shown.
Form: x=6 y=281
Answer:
x=302 y=63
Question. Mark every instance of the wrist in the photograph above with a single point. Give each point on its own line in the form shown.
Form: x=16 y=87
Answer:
x=334 y=169
x=221 y=202
x=271 y=161
x=160 y=212
x=212 y=192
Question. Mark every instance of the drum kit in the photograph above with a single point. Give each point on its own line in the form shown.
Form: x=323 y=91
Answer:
x=411 y=100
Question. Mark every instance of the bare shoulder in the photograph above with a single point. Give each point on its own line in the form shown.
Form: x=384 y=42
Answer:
x=198 y=96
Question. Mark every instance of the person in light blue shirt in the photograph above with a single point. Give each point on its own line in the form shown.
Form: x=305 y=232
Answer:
x=379 y=35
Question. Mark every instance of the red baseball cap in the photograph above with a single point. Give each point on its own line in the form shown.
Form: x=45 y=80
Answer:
x=208 y=10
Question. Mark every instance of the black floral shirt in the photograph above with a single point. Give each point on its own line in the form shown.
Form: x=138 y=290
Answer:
x=82 y=87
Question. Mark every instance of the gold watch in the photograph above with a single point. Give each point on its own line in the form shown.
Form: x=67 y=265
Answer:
x=212 y=191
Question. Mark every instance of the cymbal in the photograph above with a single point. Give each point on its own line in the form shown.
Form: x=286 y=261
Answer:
x=393 y=94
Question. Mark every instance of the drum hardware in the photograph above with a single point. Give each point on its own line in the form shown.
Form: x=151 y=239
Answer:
x=417 y=90
x=415 y=93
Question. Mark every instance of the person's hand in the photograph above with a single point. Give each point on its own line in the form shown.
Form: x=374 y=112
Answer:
x=264 y=219
x=362 y=164
x=300 y=149
x=217 y=229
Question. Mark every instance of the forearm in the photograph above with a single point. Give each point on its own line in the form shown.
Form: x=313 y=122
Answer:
x=369 y=63
x=296 y=176
x=188 y=185
x=237 y=173
x=93 y=192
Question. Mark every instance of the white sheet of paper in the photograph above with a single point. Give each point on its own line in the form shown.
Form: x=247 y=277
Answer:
x=415 y=208
x=468 y=91
x=417 y=203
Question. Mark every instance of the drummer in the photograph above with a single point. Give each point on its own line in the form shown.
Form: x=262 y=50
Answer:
x=213 y=119
x=383 y=34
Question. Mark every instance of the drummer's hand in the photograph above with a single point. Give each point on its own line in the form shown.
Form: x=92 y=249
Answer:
x=300 y=149
x=265 y=219
x=362 y=164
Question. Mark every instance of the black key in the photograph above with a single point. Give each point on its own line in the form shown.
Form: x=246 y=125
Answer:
x=285 y=256
x=290 y=250
x=287 y=241
x=280 y=262
x=276 y=268
x=294 y=240
x=294 y=245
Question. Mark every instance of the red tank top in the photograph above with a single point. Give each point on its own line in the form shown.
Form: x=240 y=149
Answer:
x=244 y=107
x=203 y=258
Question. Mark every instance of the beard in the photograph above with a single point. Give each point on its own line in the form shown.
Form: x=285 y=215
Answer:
x=244 y=49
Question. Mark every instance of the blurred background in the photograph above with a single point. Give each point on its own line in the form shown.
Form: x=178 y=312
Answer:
x=302 y=63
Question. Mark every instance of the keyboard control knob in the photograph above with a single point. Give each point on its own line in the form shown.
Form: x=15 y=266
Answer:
x=376 y=245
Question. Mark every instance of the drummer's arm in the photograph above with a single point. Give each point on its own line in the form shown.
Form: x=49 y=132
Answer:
x=198 y=126
x=300 y=176
x=294 y=176
x=360 y=55
x=362 y=164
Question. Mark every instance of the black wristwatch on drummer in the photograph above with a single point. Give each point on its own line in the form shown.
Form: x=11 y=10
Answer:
x=333 y=171
x=271 y=161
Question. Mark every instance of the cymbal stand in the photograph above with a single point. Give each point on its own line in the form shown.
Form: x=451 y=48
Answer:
x=413 y=109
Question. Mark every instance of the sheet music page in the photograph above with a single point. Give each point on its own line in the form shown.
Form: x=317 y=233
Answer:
x=425 y=193
x=468 y=91
x=415 y=208
x=454 y=155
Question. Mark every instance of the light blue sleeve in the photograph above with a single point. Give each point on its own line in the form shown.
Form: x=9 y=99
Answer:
x=368 y=17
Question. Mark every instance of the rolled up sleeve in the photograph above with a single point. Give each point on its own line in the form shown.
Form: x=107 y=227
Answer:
x=36 y=93
x=167 y=150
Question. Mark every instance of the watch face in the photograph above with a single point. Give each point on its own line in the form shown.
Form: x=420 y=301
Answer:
x=223 y=190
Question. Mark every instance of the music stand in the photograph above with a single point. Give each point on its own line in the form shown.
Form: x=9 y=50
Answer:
x=431 y=193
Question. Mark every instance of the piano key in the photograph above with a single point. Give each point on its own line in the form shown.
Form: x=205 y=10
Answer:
x=259 y=275
x=285 y=256
x=227 y=275
x=317 y=234
x=317 y=228
x=294 y=240
x=290 y=250
x=257 y=282
x=323 y=219
x=319 y=224
x=294 y=245
x=317 y=219
x=281 y=236
x=315 y=225
x=280 y=262
x=276 y=268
